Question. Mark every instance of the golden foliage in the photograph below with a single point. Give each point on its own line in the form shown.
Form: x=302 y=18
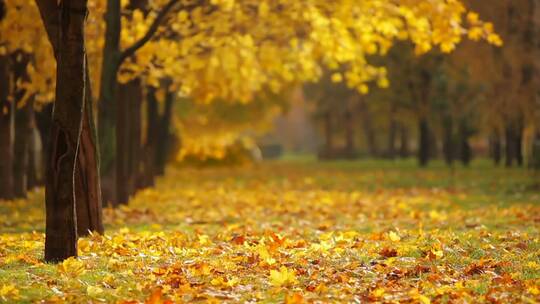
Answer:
x=234 y=49
x=296 y=234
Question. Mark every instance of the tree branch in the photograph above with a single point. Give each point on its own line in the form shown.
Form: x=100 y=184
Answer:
x=149 y=34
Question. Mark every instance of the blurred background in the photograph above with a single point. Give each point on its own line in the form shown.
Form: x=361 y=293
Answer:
x=481 y=101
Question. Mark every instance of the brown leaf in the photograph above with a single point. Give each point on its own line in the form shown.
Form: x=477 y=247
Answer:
x=388 y=252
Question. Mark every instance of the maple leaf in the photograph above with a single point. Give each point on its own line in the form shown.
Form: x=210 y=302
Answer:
x=394 y=237
x=295 y=298
x=156 y=297
x=71 y=267
x=283 y=277
x=378 y=292
x=388 y=252
x=94 y=291
x=9 y=291
x=265 y=255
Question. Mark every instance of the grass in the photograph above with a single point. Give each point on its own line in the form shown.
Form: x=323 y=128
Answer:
x=364 y=231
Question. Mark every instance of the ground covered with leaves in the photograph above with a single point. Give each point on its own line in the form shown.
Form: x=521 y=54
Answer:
x=295 y=232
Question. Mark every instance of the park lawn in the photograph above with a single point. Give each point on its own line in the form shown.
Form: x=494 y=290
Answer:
x=295 y=231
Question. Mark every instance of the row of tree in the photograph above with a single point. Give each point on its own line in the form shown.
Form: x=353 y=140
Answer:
x=442 y=104
x=127 y=54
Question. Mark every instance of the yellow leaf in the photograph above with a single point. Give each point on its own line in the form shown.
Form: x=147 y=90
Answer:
x=394 y=237
x=283 y=277
x=265 y=256
x=424 y=300
x=94 y=291
x=71 y=267
x=377 y=293
x=9 y=291
x=437 y=253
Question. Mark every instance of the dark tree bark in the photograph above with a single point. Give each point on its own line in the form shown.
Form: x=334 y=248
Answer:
x=136 y=146
x=328 y=134
x=107 y=98
x=465 y=149
x=510 y=145
x=43 y=124
x=6 y=132
x=164 y=134
x=350 y=149
x=448 y=141
x=369 y=131
x=423 y=142
x=32 y=169
x=61 y=223
x=392 y=135
x=21 y=148
x=87 y=192
x=496 y=148
x=87 y=180
x=22 y=125
x=404 y=142
x=519 y=142
x=421 y=92
x=122 y=145
x=135 y=136
x=535 y=157
x=158 y=137
x=127 y=139
x=152 y=118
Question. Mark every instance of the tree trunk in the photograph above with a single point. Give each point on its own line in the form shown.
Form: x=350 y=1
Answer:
x=33 y=150
x=392 y=132
x=496 y=149
x=424 y=133
x=350 y=149
x=107 y=99
x=423 y=142
x=136 y=146
x=535 y=157
x=328 y=134
x=122 y=145
x=519 y=142
x=6 y=133
x=367 y=122
x=21 y=148
x=448 y=141
x=43 y=123
x=61 y=223
x=20 y=62
x=152 y=118
x=127 y=139
x=465 y=147
x=404 y=142
x=510 y=144
x=164 y=135
x=135 y=135
x=87 y=180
